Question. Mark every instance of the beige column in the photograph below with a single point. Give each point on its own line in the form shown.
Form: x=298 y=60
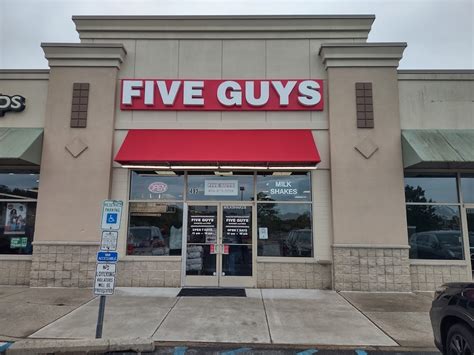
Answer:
x=368 y=205
x=76 y=164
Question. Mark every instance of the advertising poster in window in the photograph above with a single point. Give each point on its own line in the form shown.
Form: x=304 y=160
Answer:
x=221 y=187
x=15 y=218
x=237 y=224
x=203 y=229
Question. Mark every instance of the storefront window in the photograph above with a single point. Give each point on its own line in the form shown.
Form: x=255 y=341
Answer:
x=220 y=188
x=434 y=232
x=467 y=188
x=284 y=229
x=149 y=185
x=155 y=228
x=18 y=193
x=431 y=189
x=294 y=187
x=433 y=217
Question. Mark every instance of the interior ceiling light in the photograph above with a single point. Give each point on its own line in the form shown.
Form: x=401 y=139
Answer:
x=194 y=167
x=223 y=173
x=165 y=172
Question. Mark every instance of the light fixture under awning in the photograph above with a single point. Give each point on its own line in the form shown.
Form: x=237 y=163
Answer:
x=20 y=146
x=219 y=149
x=438 y=149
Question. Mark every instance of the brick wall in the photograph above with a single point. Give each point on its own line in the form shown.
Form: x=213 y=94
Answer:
x=149 y=273
x=15 y=272
x=371 y=269
x=429 y=277
x=63 y=265
x=293 y=275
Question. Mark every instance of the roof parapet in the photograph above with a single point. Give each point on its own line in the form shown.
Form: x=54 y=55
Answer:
x=220 y=27
x=362 y=54
x=84 y=54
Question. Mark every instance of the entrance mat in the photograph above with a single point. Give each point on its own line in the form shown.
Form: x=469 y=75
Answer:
x=212 y=292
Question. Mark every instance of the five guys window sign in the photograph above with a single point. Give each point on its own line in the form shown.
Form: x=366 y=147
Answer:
x=222 y=95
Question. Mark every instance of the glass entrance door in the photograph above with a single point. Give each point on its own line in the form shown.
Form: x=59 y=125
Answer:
x=219 y=245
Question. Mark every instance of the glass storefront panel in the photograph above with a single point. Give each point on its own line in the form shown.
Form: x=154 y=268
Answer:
x=155 y=228
x=238 y=262
x=220 y=188
x=284 y=230
x=294 y=187
x=470 y=231
x=434 y=232
x=467 y=188
x=148 y=185
x=17 y=226
x=431 y=189
x=19 y=185
x=200 y=260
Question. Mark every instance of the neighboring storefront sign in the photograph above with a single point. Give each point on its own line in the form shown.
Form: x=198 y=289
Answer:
x=203 y=227
x=221 y=187
x=15 y=103
x=222 y=95
x=15 y=218
x=157 y=187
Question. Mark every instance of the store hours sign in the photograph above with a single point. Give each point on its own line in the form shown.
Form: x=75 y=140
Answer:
x=222 y=95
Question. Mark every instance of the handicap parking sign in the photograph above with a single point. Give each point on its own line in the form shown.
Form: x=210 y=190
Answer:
x=112 y=218
x=111 y=214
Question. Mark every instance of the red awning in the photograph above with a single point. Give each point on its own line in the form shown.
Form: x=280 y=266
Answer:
x=173 y=147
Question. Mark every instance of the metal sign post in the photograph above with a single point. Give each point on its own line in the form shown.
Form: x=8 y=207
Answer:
x=107 y=257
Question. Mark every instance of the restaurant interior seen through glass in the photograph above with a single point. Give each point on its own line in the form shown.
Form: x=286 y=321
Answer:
x=440 y=215
x=222 y=208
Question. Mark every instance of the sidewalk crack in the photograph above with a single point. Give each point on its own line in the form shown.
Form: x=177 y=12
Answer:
x=370 y=320
x=266 y=317
x=166 y=316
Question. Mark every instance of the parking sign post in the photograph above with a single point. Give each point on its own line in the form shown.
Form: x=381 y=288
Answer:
x=107 y=257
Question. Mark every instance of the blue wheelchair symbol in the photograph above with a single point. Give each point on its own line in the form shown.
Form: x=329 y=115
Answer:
x=111 y=218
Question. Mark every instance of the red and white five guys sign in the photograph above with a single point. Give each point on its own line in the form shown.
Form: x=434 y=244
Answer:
x=222 y=95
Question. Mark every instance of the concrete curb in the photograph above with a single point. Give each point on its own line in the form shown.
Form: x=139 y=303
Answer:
x=85 y=346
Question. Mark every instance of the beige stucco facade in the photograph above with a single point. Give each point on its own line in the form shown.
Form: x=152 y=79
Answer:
x=359 y=224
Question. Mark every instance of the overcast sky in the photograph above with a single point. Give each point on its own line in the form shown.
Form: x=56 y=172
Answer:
x=439 y=33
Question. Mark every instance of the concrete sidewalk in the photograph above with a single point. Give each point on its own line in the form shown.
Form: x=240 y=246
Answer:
x=292 y=317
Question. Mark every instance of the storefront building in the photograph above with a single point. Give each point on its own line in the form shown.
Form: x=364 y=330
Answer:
x=249 y=151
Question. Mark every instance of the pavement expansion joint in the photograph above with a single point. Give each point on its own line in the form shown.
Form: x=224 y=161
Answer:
x=375 y=325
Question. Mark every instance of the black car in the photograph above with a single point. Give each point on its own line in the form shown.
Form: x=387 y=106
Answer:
x=452 y=318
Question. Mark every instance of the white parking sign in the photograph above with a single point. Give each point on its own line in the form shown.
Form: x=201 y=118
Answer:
x=104 y=279
x=111 y=214
x=109 y=240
